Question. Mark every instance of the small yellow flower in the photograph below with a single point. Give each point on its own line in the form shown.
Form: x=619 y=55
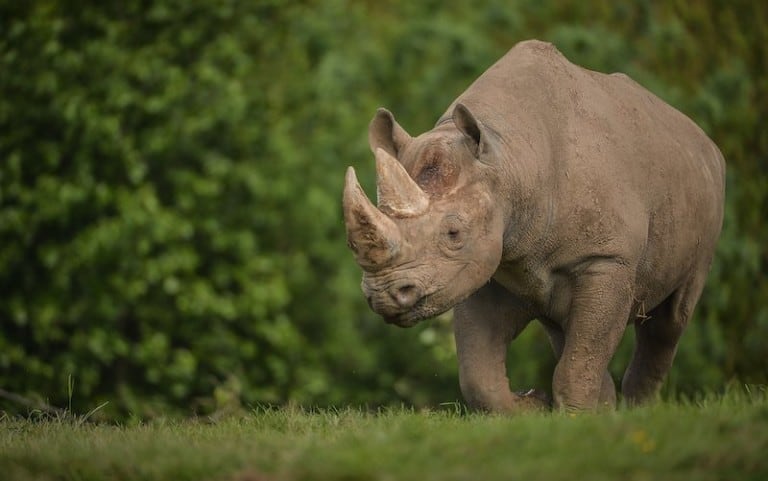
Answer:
x=641 y=439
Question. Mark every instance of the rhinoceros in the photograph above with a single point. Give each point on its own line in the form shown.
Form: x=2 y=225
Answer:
x=545 y=192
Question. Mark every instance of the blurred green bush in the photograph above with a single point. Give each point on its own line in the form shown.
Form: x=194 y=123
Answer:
x=171 y=171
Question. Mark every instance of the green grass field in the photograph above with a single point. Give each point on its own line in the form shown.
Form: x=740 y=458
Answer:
x=719 y=438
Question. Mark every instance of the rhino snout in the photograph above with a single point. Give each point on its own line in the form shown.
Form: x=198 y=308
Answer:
x=405 y=295
x=395 y=299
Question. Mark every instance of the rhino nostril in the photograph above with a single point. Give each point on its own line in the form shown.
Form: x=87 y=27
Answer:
x=406 y=295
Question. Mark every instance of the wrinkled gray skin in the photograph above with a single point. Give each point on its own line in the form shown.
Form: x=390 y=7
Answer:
x=550 y=192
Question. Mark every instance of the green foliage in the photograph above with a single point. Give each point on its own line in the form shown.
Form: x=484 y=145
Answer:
x=170 y=176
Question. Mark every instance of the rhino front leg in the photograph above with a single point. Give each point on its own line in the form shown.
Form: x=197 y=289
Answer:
x=484 y=325
x=600 y=307
x=607 y=388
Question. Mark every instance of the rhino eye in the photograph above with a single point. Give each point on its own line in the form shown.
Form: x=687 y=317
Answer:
x=453 y=233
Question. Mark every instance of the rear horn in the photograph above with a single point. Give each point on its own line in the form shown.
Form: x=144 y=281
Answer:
x=398 y=195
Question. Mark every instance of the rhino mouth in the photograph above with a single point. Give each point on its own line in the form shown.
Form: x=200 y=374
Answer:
x=408 y=318
x=402 y=320
x=419 y=312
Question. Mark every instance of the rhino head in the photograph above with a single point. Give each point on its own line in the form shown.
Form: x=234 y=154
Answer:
x=436 y=234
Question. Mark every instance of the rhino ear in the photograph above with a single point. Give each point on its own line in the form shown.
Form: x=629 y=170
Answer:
x=470 y=127
x=385 y=133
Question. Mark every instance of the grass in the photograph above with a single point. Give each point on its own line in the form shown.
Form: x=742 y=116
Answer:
x=716 y=438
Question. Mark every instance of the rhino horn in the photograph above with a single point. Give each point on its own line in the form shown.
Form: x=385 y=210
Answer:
x=374 y=237
x=398 y=194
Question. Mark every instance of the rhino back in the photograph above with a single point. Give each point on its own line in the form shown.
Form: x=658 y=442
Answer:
x=586 y=117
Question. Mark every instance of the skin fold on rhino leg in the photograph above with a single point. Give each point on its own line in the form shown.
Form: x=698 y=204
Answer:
x=601 y=302
x=484 y=325
x=607 y=388
x=656 y=341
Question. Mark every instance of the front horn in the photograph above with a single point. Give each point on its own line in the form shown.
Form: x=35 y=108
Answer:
x=372 y=236
x=398 y=194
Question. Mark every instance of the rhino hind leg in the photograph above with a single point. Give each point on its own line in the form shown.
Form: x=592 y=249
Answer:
x=656 y=339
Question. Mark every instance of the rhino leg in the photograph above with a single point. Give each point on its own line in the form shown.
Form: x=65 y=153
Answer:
x=607 y=387
x=600 y=306
x=484 y=325
x=656 y=341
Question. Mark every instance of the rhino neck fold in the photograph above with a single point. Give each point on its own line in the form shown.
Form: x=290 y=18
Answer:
x=526 y=192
